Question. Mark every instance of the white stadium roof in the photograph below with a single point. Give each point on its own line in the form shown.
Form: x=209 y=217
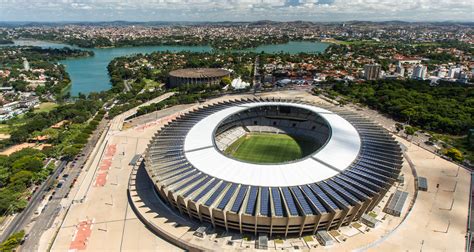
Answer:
x=335 y=156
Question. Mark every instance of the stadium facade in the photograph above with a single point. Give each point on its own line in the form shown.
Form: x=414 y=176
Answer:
x=204 y=76
x=351 y=165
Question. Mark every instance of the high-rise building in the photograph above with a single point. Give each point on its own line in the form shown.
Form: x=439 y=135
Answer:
x=419 y=72
x=454 y=72
x=26 y=64
x=400 y=70
x=372 y=71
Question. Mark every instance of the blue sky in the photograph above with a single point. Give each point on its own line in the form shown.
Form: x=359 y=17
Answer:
x=236 y=10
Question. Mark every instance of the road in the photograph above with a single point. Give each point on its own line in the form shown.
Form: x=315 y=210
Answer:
x=45 y=220
x=23 y=218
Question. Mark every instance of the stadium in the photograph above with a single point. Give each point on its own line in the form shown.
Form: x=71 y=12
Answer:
x=273 y=166
x=208 y=76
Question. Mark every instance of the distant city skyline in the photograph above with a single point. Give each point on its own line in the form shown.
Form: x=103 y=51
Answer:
x=236 y=10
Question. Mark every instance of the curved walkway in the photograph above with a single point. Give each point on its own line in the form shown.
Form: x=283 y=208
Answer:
x=156 y=215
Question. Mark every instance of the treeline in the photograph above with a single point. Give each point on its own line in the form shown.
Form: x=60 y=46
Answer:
x=25 y=167
x=77 y=112
x=446 y=108
x=69 y=143
x=17 y=172
x=34 y=53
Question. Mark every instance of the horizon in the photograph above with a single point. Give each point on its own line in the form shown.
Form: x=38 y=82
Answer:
x=232 y=21
x=236 y=10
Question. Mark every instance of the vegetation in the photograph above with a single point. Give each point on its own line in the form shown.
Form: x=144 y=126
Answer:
x=24 y=168
x=78 y=112
x=12 y=242
x=17 y=172
x=46 y=107
x=38 y=58
x=444 y=108
x=140 y=69
x=454 y=153
x=185 y=95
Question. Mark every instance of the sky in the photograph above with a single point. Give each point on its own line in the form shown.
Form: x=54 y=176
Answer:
x=236 y=10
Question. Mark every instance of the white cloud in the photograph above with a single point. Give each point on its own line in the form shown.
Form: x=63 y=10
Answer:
x=217 y=10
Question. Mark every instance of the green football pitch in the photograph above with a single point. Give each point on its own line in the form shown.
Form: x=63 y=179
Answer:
x=269 y=148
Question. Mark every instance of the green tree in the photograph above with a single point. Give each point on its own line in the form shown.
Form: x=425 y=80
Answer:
x=226 y=81
x=70 y=152
x=27 y=163
x=455 y=154
x=22 y=177
x=12 y=242
x=410 y=131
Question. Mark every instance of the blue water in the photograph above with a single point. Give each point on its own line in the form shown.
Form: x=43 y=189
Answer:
x=90 y=74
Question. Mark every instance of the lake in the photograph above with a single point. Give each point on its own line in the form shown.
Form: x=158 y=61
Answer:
x=90 y=74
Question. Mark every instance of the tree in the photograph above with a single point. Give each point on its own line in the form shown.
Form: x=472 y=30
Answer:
x=410 y=131
x=455 y=154
x=22 y=177
x=70 y=152
x=12 y=242
x=226 y=81
x=27 y=163
x=398 y=126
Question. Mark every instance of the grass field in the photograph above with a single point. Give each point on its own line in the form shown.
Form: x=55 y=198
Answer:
x=269 y=148
x=46 y=107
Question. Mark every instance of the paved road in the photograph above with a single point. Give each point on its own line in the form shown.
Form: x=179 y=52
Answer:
x=23 y=218
x=45 y=220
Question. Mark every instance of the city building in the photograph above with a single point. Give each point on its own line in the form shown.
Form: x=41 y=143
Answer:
x=400 y=70
x=419 y=72
x=26 y=65
x=372 y=71
x=407 y=60
x=203 y=76
x=454 y=73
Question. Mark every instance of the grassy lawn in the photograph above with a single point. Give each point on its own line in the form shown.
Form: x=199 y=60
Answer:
x=12 y=124
x=46 y=107
x=268 y=148
x=4 y=129
x=151 y=84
